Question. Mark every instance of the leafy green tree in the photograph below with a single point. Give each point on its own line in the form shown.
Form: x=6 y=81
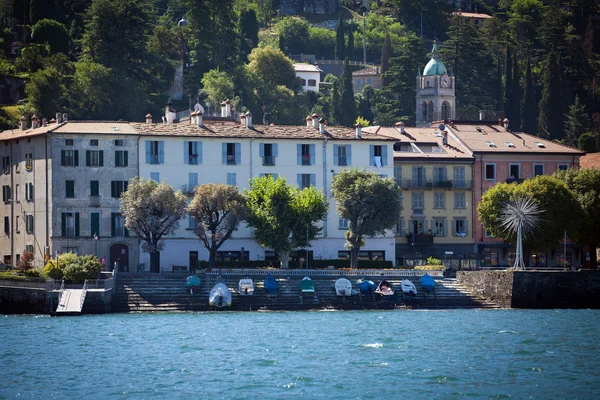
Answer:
x=576 y=122
x=336 y=104
x=585 y=184
x=248 y=29
x=152 y=211
x=350 y=49
x=347 y=102
x=386 y=54
x=322 y=42
x=293 y=35
x=218 y=85
x=525 y=17
x=433 y=13
x=340 y=41
x=560 y=210
x=370 y=203
x=53 y=33
x=284 y=217
x=92 y=93
x=529 y=110
x=217 y=209
x=550 y=120
x=32 y=58
x=589 y=142
x=45 y=91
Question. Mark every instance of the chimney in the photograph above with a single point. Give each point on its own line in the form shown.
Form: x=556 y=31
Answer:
x=199 y=119
x=223 y=110
x=23 y=123
x=170 y=114
x=358 y=131
x=322 y=126
x=228 y=108
x=148 y=118
x=481 y=115
x=400 y=126
x=35 y=122
x=243 y=119
x=308 y=121
x=445 y=137
x=53 y=121
x=249 y=120
x=506 y=123
x=315 y=121
x=499 y=122
x=44 y=122
x=58 y=118
x=65 y=117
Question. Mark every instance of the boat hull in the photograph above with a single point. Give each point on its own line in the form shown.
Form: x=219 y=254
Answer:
x=271 y=285
x=220 y=296
x=428 y=283
x=246 y=287
x=366 y=287
x=408 y=288
x=307 y=286
x=343 y=287
x=385 y=290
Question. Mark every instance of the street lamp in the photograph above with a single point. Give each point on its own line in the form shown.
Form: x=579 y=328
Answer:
x=96 y=241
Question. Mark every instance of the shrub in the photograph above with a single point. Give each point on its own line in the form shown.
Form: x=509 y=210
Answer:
x=433 y=261
x=73 y=268
x=430 y=267
x=25 y=261
x=34 y=272
x=51 y=270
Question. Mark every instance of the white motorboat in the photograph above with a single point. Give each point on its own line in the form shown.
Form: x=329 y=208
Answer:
x=343 y=287
x=408 y=288
x=246 y=287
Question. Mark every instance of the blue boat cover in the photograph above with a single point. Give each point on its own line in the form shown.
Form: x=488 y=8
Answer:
x=192 y=281
x=366 y=286
x=271 y=284
x=427 y=282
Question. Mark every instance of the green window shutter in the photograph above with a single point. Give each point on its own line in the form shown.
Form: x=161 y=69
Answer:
x=95 y=224
x=63 y=224
x=117 y=158
x=77 y=224
x=76 y=158
x=113 y=188
x=62 y=158
x=125 y=158
x=126 y=232
x=125 y=183
x=101 y=158
x=113 y=224
x=94 y=188
x=87 y=158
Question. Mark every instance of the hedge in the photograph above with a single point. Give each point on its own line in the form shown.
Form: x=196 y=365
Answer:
x=313 y=264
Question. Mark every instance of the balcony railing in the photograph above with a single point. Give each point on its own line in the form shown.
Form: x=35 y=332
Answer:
x=94 y=201
x=193 y=159
x=420 y=239
x=306 y=159
x=429 y=184
x=268 y=160
x=188 y=189
x=154 y=159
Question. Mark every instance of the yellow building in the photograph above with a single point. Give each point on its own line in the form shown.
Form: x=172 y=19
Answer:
x=436 y=176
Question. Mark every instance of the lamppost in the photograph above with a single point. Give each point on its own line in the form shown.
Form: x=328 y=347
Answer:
x=96 y=242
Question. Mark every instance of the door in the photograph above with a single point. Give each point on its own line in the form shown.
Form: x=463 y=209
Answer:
x=119 y=253
x=193 y=260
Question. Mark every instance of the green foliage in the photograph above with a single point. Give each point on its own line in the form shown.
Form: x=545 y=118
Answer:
x=45 y=91
x=32 y=58
x=370 y=203
x=340 y=41
x=362 y=122
x=56 y=268
x=293 y=34
x=550 y=120
x=26 y=261
x=284 y=217
x=93 y=91
x=86 y=267
x=433 y=261
x=347 y=105
x=576 y=122
x=218 y=86
x=529 y=111
x=52 y=33
x=589 y=142
x=53 y=270
x=386 y=54
x=322 y=42
x=248 y=30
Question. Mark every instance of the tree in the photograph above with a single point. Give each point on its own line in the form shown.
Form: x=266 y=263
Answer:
x=152 y=211
x=248 y=29
x=529 y=112
x=589 y=142
x=217 y=210
x=371 y=205
x=350 y=49
x=340 y=41
x=92 y=92
x=293 y=35
x=218 y=86
x=508 y=85
x=284 y=217
x=515 y=104
x=577 y=122
x=550 y=120
x=386 y=54
x=45 y=91
x=53 y=33
x=347 y=102
x=559 y=210
x=585 y=184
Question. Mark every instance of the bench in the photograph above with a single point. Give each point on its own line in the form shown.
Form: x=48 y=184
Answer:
x=177 y=268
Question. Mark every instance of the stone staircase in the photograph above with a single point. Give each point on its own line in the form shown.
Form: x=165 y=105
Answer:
x=167 y=292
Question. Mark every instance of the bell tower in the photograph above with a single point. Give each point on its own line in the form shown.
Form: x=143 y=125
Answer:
x=436 y=100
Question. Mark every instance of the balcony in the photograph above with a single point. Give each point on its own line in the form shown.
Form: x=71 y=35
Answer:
x=193 y=159
x=429 y=184
x=305 y=159
x=69 y=231
x=189 y=189
x=515 y=180
x=421 y=239
x=94 y=201
x=268 y=160
x=153 y=159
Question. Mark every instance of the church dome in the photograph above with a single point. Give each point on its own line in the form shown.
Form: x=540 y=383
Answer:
x=434 y=66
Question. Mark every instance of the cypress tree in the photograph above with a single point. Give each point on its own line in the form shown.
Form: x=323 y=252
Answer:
x=347 y=102
x=248 y=30
x=340 y=42
x=350 y=49
x=500 y=86
x=515 y=104
x=550 y=120
x=386 y=54
x=576 y=122
x=529 y=113
x=336 y=111
x=507 y=82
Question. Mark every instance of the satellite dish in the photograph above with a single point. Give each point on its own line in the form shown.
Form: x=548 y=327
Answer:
x=198 y=107
x=442 y=127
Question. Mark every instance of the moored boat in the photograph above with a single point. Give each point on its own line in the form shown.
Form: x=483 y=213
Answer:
x=385 y=290
x=271 y=284
x=366 y=286
x=307 y=286
x=220 y=295
x=191 y=282
x=428 y=283
x=343 y=287
x=408 y=288
x=246 y=287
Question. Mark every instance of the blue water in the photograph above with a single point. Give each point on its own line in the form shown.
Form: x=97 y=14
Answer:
x=283 y=355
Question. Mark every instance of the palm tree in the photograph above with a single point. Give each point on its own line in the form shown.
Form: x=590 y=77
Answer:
x=520 y=216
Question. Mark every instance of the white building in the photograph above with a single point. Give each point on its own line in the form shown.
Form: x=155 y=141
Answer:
x=310 y=76
x=192 y=153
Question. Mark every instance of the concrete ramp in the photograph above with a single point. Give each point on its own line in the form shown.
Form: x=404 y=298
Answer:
x=71 y=301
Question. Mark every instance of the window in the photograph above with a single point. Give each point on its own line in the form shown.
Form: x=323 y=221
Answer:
x=234 y=255
x=155 y=176
x=418 y=177
x=398 y=174
x=343 y=223
x=117 y=188
x=418 y=200
x=439 y=227
x=359 y=82
x=121 y=158
x=69 y=158
x=17 y=192
x=439 y=200
x=342 y=154
x=95 y=224
x=94 y=188
x=232 y=154
x=439 y=174
x=303 y=81
x=6 y=192
x=459 y=177
x=363 y=255
x=514 y=171
x=192 y=153
x=17 y=226
x=6 y=164
x=231 y=179
x=459 y=200
x=378 y=155
x=399 y=228
x=94 y=158
x=29 y=191
x=28 y=161
x=117 y=225
x=368 y=82
x=460 y=227
x=93 y=142
x=7 y=225
x=192 y=223
x=563 y=167
x=155 y=152
x=68 y=142
x=192 y=181
x=490 y=172
x=306 y=154
x=538 y=169
x=268 y=152
x=118 y=142
x=489 y=234
x=70 y=224
x=491 y=258
x=312 y=82
x=306 y=180
x=70 y=189
x=29 y=223
x=561 y=260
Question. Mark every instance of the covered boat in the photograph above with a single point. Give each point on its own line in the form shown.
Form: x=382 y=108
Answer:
x=271 y=284
x=246 y=287
x=428 y=283
x=307 y=285
x=192 y=281
x=220 y=295
x=385 y=290
x=343 y=287
x=408 y=288
x=366 y=286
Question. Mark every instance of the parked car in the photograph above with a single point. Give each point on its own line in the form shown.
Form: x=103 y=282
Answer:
x=5 y=267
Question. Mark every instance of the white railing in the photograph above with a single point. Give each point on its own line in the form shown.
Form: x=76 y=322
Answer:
x=321 y=272
x=83 y=293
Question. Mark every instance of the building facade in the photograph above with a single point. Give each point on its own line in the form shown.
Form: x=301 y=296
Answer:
x=309 y=75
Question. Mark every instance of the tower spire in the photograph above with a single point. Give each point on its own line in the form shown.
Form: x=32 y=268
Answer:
x=434 y=50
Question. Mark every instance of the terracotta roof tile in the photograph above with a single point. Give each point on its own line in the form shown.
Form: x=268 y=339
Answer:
x=590 y=161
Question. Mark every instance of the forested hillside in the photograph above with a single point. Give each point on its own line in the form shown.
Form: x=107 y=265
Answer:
x=536 y=61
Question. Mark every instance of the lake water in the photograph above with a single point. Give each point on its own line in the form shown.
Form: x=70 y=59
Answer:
x=547 y=354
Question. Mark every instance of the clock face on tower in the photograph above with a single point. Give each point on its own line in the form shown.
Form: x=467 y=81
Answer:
x=445 y=81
